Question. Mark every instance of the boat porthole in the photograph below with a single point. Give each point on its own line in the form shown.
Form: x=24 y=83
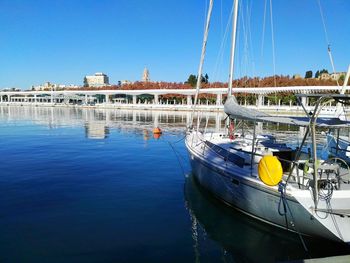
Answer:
x=235 y=182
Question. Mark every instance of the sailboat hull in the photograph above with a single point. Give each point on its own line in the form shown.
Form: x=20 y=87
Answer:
x=261 y=202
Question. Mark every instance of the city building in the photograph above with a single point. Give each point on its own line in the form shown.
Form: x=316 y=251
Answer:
x=46 y=86
x=70 y=86
x=10 y=89
x=297 y=76
x=324 y=76
x=97 y=80
x=124 y=82
x=333 y=76
x=51 y=86
x=337 y=75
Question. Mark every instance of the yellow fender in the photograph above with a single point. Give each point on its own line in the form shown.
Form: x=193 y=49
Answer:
x=270 y=170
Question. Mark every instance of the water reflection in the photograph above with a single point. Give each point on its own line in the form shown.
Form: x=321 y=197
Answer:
x=99 y=122
x=116 y=203
x=156 y=136
x=241 y=238
x=146 y=136
x=96 y=130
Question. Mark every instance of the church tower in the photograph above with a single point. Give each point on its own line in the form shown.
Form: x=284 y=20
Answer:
x=145 y=75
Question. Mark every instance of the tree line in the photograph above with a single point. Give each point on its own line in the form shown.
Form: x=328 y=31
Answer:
x=244 y=82
x=309 y=73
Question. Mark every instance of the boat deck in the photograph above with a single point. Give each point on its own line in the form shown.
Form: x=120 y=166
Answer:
x=238 y=149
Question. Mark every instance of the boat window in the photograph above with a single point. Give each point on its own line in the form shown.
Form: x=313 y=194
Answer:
x=232 y=157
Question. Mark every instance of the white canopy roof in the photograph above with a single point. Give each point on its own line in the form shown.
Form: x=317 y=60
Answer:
x=235 y=111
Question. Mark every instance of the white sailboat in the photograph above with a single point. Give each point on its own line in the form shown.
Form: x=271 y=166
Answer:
x=269 y=181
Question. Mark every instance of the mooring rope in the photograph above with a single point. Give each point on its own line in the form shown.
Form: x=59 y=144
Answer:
x=286 y=208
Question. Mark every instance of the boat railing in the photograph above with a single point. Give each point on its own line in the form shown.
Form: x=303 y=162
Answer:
x=340 y=149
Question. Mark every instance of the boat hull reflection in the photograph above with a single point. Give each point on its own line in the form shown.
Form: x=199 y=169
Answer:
x=244 y=239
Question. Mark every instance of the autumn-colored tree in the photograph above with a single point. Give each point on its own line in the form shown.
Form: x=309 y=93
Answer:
x=244 y=82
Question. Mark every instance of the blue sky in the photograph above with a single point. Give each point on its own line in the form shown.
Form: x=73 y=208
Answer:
x=63 y=40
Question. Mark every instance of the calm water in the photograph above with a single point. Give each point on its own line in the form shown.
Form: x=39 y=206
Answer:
x=95 y=186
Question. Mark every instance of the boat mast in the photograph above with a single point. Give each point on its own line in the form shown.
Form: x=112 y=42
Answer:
x=233 y=47
x=346 y=80
x=204 y=46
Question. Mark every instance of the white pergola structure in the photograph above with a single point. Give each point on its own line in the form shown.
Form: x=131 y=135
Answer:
x=88 y=95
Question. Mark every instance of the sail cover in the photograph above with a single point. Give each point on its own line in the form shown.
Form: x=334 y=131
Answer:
x=235 y=111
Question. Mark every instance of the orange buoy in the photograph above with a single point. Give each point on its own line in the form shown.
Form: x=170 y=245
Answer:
x=157 y=135
x=157 y=130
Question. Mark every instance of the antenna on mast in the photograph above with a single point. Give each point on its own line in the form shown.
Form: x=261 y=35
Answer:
x=327 y=39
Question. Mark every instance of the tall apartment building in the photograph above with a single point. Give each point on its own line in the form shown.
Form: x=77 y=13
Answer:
x=97 y=80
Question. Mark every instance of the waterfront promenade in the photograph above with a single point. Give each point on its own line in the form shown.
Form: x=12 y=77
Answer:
x=156 y=99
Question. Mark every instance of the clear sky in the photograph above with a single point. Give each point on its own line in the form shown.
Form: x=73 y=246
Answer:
x=61 y=41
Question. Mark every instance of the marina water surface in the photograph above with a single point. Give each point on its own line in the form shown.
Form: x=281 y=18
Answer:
x=89 y=185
